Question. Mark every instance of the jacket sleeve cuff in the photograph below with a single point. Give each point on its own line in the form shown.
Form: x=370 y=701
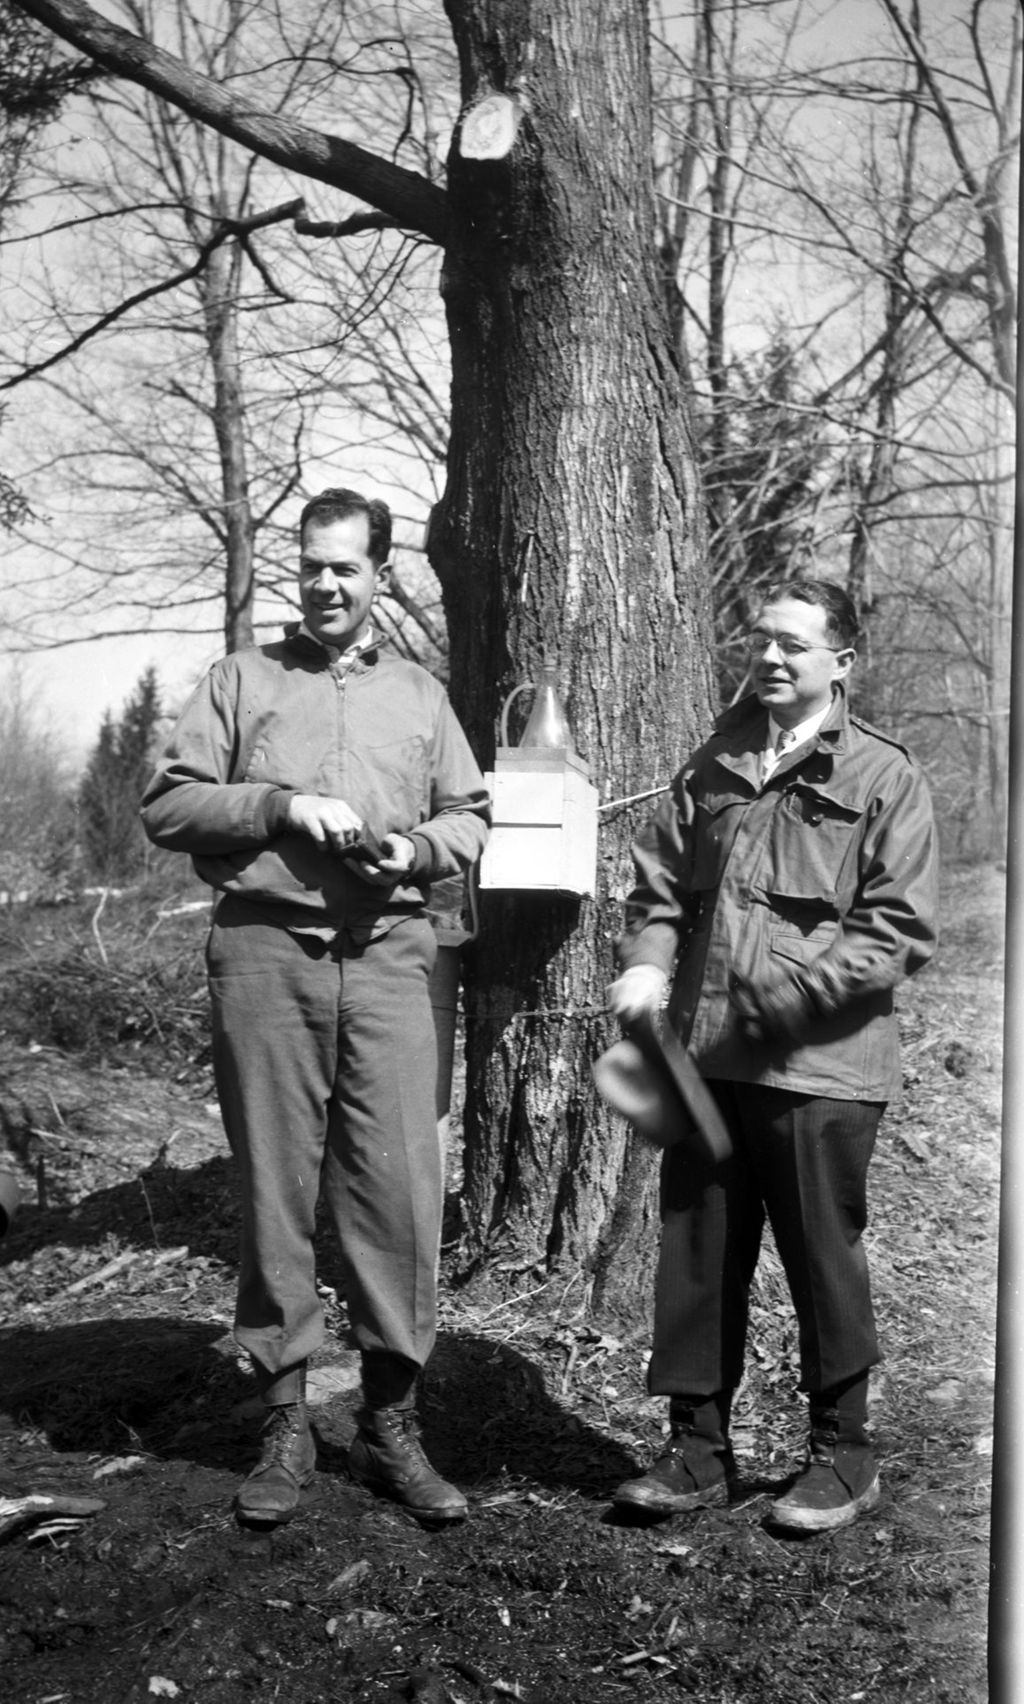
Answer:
x=657 y=944
x=272 y=812
x=424 y=860
x=822 y=988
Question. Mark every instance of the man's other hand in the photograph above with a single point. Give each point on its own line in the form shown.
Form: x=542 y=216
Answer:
x=777 y=1008
x=330 y=822
x=638 y=991
x=399 y=854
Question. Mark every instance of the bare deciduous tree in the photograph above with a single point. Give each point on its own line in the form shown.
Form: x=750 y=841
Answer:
x=878 y=172
x=199 y=347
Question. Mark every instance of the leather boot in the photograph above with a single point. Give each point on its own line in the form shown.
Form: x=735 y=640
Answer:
x=386 y=1456
x=287 y=1461
x=697 y=1465
x=839 y=1479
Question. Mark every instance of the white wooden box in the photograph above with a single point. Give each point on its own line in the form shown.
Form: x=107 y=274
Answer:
x=545 y=823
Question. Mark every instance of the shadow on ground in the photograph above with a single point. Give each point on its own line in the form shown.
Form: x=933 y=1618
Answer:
x=160 y=1206
x=175 y=1390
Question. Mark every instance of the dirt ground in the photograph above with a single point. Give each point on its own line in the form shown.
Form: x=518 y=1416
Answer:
x=120 y=1384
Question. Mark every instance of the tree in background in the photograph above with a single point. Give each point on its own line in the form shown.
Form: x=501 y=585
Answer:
x=201 y=352
x=114 y=847
x=853 y=193
x=761 y=468
x=35 y=79
x=37 y=817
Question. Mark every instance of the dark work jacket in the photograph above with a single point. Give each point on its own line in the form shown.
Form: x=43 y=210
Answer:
x=832 y=860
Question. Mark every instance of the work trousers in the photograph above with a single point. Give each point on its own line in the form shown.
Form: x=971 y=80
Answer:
x=326 y=1064
x=802 y=1163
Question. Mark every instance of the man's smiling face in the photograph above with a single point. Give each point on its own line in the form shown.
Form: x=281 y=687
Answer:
x=794 y=678
x=338 y=580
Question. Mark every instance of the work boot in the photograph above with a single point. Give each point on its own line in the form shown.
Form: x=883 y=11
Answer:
x=386 y=1456
x=695 y=1470
x=288 y=1455
x=839 y=1479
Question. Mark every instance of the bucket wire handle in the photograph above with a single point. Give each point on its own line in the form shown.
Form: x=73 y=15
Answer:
x=524 y=686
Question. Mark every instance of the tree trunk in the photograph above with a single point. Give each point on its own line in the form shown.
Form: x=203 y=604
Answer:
x=1000 y=531
x=1002 y=195
x=219 y=292
x=571 y=524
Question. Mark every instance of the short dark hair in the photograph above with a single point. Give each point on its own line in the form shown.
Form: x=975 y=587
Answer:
x=337 y=503
x=841 y=621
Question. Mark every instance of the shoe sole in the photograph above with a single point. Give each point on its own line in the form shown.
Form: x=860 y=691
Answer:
x=265 y=1517
x=669 y=1503
x=796 y=1519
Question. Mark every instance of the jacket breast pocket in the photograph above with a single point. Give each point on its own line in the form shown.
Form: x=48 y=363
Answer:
x=815 y=840
x=800 y=938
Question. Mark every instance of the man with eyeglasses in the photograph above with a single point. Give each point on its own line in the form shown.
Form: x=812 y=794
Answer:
x=785 y=885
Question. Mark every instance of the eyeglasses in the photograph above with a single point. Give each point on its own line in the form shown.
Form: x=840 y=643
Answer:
x=758 y=642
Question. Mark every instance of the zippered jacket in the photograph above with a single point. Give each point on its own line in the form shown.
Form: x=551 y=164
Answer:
x=282 y=719
x=832 y=864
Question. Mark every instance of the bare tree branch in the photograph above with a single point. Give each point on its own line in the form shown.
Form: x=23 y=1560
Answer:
x=412 y=201
x=226 y=228
x=345 y=227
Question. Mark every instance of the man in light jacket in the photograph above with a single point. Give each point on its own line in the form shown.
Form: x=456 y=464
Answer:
x=784 y=887
x=321 y=784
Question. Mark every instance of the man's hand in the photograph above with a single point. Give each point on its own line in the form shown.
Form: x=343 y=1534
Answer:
x=400 y=853
x=333 y=823
x=638 y=991
x=775 y=1008
x=330 y=822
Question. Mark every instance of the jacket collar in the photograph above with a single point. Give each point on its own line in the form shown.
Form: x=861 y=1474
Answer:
x=367 y=651
x=743 y=724
x=740 y=732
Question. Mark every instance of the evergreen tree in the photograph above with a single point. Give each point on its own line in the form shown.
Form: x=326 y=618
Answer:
x=118 y=768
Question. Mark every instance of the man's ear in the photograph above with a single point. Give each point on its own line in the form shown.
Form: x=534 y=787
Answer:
x=383 y=575
x=844 y=663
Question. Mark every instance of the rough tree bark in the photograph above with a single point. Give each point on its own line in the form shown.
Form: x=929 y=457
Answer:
x=570 y=524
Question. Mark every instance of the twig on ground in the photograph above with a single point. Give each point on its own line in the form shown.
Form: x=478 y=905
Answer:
x=95 y=925
x=108 y=1271
x=18 y=1512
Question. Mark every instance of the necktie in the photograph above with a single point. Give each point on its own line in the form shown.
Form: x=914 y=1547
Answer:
x=774 y=757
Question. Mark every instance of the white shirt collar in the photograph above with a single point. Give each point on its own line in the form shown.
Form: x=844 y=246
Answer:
x=370 y=638
x=804 y=730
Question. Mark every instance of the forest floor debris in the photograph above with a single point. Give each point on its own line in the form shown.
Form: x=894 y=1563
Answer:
x=121 y=1389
